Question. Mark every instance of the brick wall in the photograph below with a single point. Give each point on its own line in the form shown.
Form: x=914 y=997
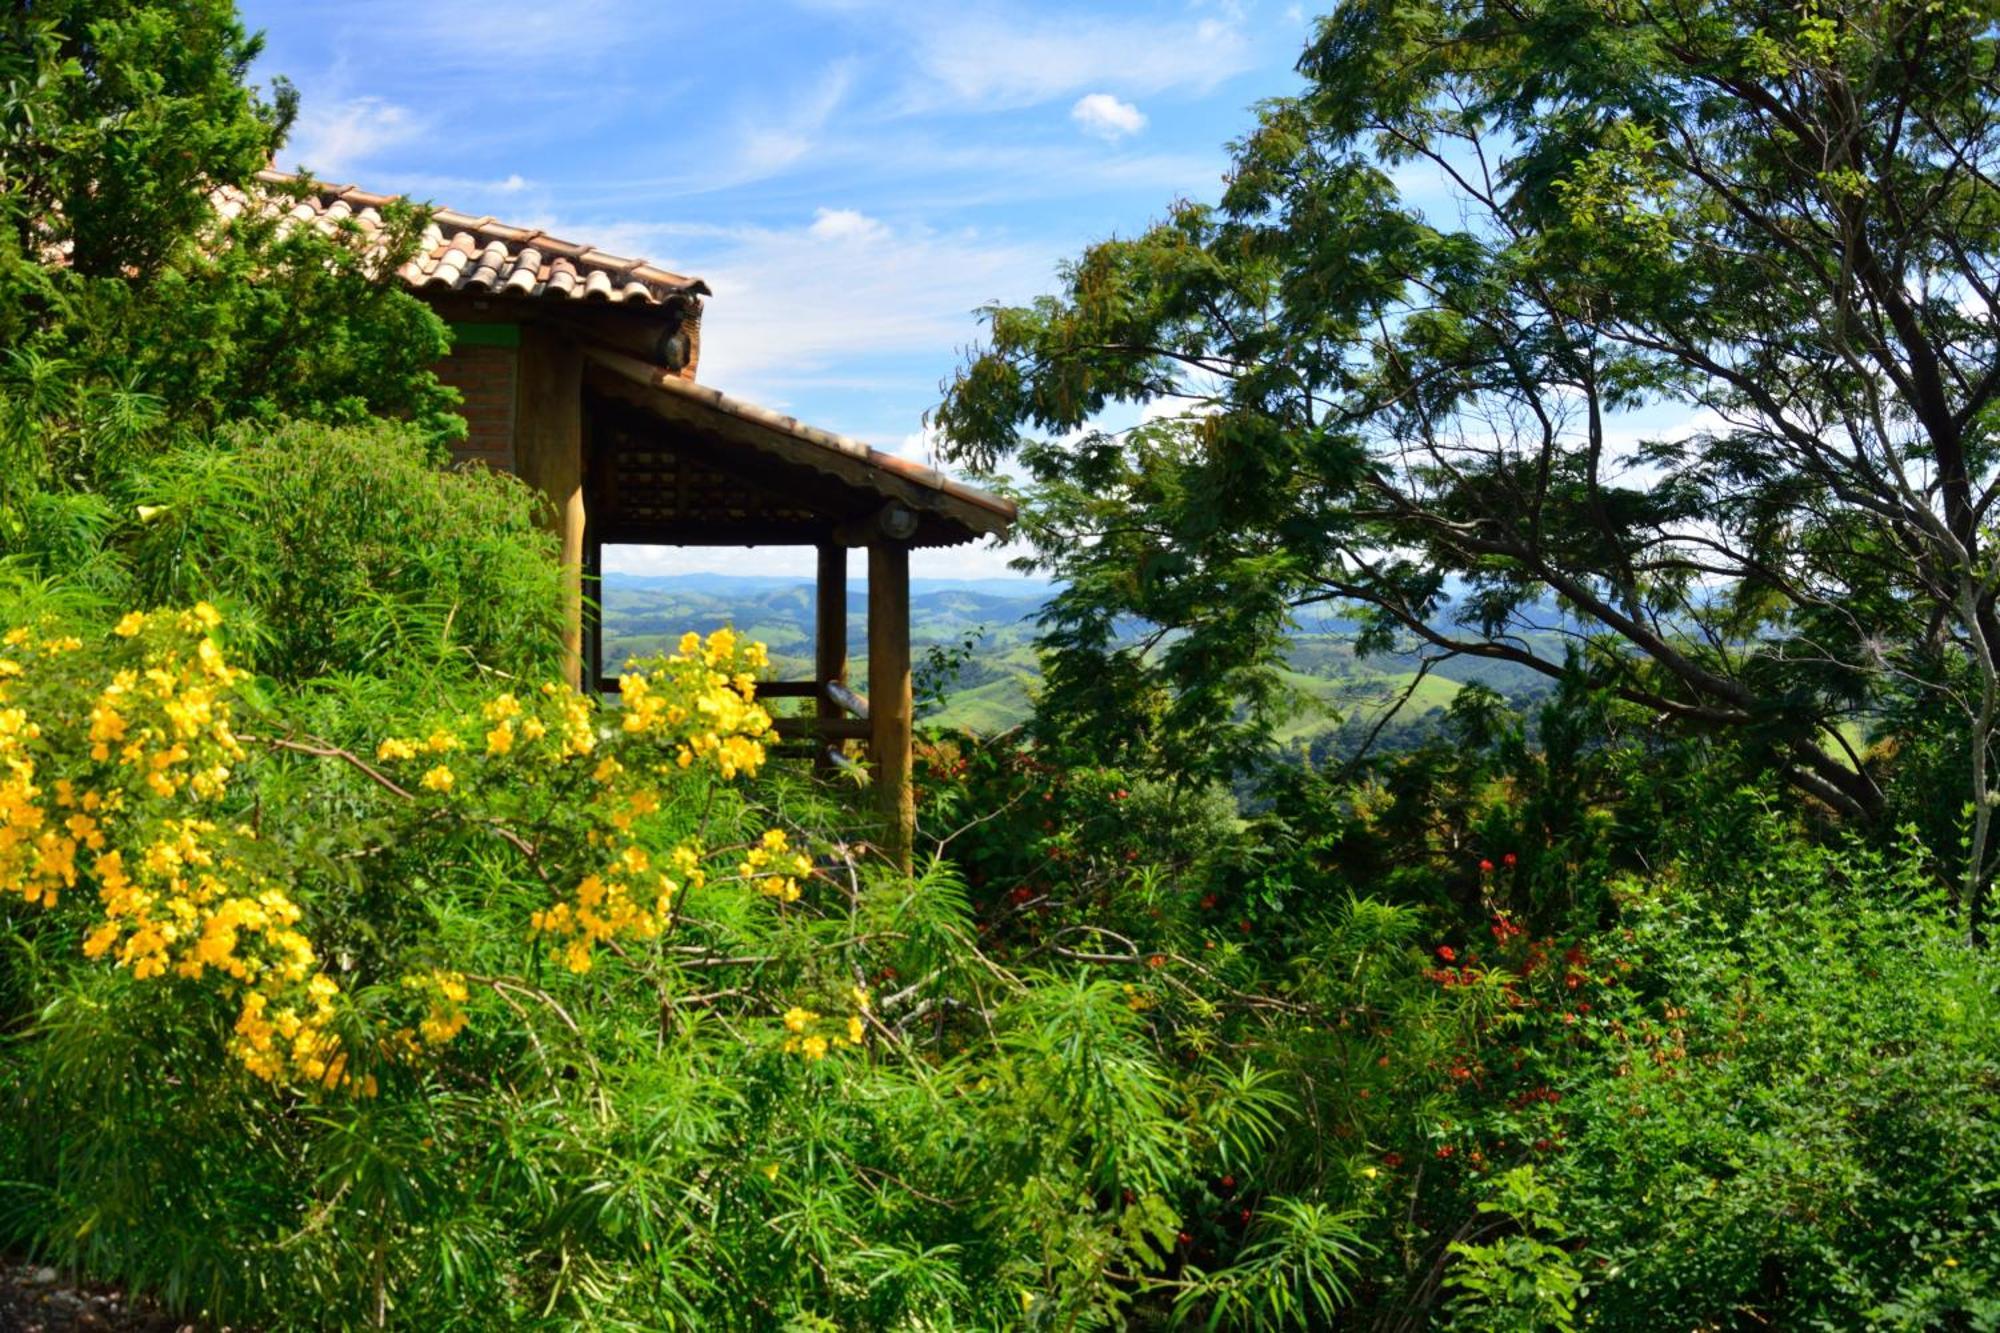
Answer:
x=485 y=376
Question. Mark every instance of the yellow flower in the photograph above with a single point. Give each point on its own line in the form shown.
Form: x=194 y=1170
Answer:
x=854 y=1030
x=798 y=1020
x=770 y=1170
x=133 y=622
x=396 y=748
x=815 y=1047
x=438 y=779
x=501 y=739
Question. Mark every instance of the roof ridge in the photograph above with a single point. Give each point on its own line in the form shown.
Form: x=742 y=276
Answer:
x=638 y=281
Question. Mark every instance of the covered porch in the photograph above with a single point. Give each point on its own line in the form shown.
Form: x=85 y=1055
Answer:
x=576 y=371
x=663 y=461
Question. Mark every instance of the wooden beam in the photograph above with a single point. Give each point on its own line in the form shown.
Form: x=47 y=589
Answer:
x=716 y=532
x=831 y=728
x=890 y=703
x=830 y=630
x=548 y=453
x=842 y=697
x=788 y=689
x=894 y=522
x=672 y=398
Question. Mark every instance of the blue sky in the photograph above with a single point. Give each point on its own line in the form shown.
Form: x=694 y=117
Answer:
x=852 y=177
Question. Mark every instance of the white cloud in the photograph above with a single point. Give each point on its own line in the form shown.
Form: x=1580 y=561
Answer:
x=994 y=60
x=332 y=137
x=1106 y=117
x=509 y=35
x=767 y=144
x=783 y=316
x=845 y=224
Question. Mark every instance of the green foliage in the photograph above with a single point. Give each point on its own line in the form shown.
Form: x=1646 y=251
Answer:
x=131 y=313
x=1413 y=409
x=355 y=552
x=1793 y=1116
x=1522 y=1280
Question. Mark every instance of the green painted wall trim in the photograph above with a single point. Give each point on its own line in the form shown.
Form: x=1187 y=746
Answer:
x=485 y=335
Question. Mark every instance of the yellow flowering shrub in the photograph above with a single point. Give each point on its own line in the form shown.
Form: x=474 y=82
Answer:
x=807 y=1029
x=109 y=766
x=118 y=804
x=694 y=711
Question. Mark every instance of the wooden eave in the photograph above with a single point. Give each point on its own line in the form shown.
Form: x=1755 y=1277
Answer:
x=727 y=432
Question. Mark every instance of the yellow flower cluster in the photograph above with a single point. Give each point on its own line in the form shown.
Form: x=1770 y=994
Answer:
x=614 y=903
x=174 y=900
x=774 y=867
x=696 y=708
x=444 y=994
x=561 y=728
x=167 y=720
x=703 y=701
x=806 y=1029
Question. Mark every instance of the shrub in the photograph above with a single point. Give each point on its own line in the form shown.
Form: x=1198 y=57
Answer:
x=1792 y=1117
x=349 y=552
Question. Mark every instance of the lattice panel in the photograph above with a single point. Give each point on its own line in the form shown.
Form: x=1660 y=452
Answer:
x=646 y=479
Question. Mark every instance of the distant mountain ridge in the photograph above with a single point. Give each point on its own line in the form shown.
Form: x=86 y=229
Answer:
x=616 y=581
x=1340 y=695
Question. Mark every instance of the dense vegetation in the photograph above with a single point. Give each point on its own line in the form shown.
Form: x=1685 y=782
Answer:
x=354 y=975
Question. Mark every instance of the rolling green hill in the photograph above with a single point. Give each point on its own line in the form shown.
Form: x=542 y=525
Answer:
x=1340 y=696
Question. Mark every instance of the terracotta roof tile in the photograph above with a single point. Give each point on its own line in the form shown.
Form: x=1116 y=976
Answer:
x=463 y=253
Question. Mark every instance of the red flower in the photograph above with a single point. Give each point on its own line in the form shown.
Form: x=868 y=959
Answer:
x=1508 y=860
x=1392 y=1160
x=1229 y=1182
x=1485 y=866
x=1445 y=1150
x=1446 y=952
x=1207 y=901
x=1186 y=1239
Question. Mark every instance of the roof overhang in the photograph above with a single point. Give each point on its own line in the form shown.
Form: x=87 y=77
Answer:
x=948 y=512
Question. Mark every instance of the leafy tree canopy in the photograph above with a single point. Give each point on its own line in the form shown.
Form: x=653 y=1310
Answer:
x=129 y=312
x=1779 y=222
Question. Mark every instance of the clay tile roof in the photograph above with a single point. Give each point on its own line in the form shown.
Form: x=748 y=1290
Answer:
x=462 y=253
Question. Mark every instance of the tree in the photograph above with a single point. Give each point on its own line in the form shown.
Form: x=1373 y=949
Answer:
x=1780 y=222
x=130 y=312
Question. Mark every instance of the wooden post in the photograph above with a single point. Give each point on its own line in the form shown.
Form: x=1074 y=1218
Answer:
x=831 y=637
x=889 y=702
x=548 y=453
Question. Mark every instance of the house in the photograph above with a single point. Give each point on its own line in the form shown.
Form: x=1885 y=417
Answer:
x=578 y=371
